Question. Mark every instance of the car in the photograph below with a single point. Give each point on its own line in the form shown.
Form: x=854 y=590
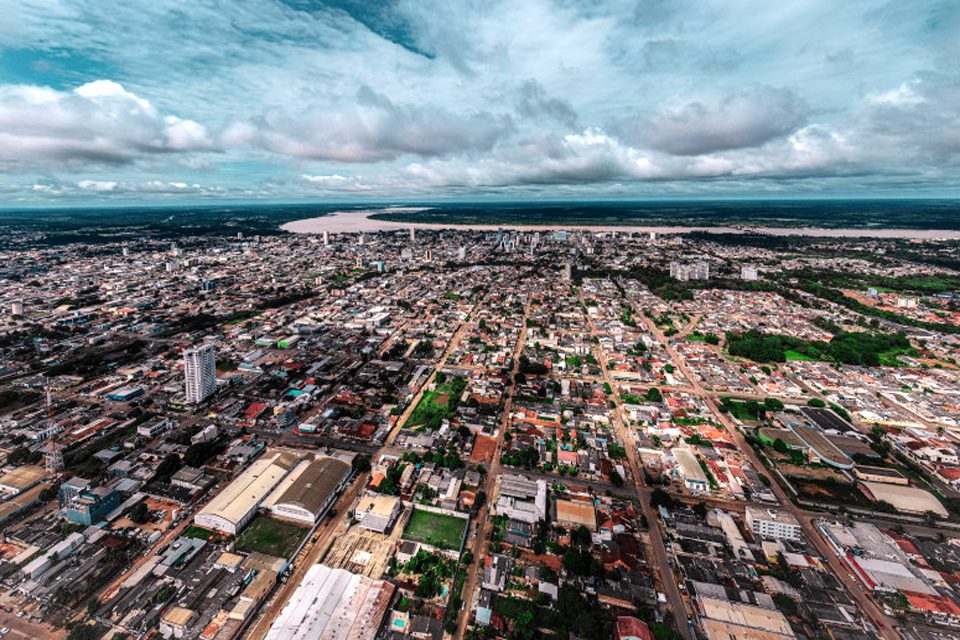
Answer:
x=20 y=614
x=5 y=630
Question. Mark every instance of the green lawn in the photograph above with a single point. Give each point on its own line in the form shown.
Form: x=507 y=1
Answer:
x=198 y=532
x=438 y=530
x=272 y=537
x=796 y=355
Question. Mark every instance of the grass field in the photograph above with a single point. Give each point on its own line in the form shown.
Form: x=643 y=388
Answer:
x=271 y=537
x=438 y=530
x=198 y=532
x=795 y=355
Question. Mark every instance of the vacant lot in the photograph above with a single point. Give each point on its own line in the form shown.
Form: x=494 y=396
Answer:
x=483 y=449
x=832 y=492
x=438 y=530
x=271 y=537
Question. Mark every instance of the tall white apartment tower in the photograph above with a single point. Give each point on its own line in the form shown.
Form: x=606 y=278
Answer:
x=200 y=367
x=413 y=234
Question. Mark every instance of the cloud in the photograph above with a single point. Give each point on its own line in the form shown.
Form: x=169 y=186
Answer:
x=370 y=128
x=98 y=122
x=555 y=97
x=746 y=118
x=533 y=102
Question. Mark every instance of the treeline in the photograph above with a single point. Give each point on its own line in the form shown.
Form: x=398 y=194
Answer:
x=838 y=297
x=848 y=348
x=918 y=284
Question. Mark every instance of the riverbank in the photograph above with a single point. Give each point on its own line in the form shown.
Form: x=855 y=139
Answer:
x=359 y=221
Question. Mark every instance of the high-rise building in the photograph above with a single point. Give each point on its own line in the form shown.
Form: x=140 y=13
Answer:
x=413 y=234
x=16 y=308
x=690 y=271
x=499 y=236
x=326 y=238
x=568 y=272
x=200 y=368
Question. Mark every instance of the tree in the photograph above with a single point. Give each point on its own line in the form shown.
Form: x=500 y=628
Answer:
x=140 y=513
x=170 y=465
x=653 y=395
x=83 y=632
x=361 y=464
x=772 y=404
x=700 y=509
x=660 y=498
x=615 y=478
x=22 y=455
x=582 y=536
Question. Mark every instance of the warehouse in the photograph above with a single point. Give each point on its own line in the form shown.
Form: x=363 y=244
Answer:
x=694 y=478
x=309 y=490
x=905 y=499
x=236 y=505
x=333 y=604
x=21 y=479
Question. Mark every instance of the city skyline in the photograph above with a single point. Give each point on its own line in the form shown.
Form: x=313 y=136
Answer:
x=340 y=102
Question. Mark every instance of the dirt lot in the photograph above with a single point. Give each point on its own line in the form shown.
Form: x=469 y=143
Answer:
x=483 y=449
x=20 y=629
x=808 y=473
x=165 y=506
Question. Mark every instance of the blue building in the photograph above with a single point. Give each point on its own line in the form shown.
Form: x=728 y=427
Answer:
x=92 y=505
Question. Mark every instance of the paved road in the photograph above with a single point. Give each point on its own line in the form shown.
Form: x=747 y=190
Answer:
x=667 y=579
x=806 y=518
x=482 y=531
x=309 y=556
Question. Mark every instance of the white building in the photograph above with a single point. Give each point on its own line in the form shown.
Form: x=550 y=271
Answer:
x=690 y=271
x=154 y=427
x=377 y=511
x=200 y=368
x=770 y=523
x=748 y=272
x=694 y=478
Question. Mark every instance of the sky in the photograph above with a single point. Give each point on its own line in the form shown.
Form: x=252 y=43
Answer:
x=401 y=100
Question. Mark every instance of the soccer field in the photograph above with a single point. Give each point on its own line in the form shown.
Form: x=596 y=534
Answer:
x=438 y=530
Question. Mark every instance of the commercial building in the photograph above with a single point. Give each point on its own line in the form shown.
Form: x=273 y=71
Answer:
x=905 y=499
x=522 y=499
x=770 y=523
x=728 y=620
x=21 y=479
x=92 y=505
x=694 y=478
x=378 y=512
x=309 y=490
x=880 y=474
x=154 y=427
x=200 y=369
x=333 y=604
x=236 y=505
